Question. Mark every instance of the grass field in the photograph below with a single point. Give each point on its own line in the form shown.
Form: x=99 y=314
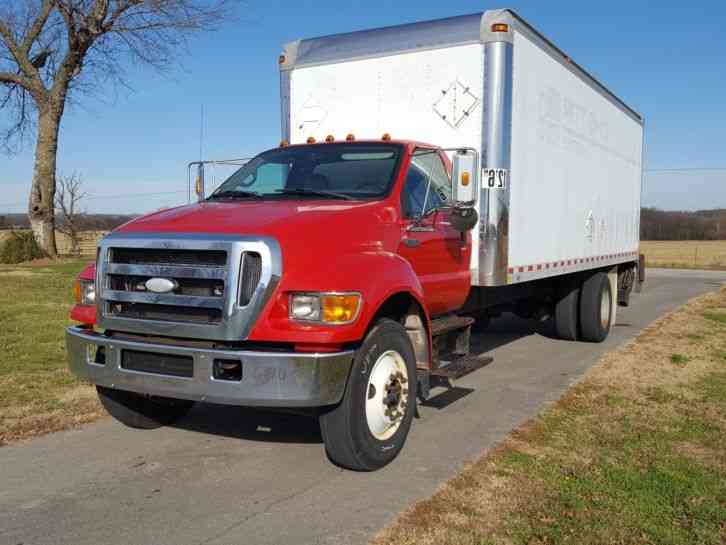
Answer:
x=634 y=454
x=686 y=254
x=37 y=393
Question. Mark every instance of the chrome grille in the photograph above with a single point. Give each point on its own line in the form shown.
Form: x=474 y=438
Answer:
x=251 y=271
x=198 y=296
x=154 y=256
x=219 y=284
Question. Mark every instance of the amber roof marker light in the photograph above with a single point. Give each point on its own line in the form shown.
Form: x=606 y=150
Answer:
x=386 y=137
x=310 y=140
x=500 y=27
x=350 y=138
x=330 y=139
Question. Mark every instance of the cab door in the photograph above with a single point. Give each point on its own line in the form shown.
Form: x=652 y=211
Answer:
x=439 y=254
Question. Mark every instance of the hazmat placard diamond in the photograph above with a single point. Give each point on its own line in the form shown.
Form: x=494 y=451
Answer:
x=456 y=103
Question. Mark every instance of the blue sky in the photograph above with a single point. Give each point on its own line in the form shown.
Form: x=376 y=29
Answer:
x=666 y=59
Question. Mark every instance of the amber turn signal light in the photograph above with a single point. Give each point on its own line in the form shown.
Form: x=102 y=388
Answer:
x=77 y=291
x=465 y=178
x=339 y=309
x=500 y=27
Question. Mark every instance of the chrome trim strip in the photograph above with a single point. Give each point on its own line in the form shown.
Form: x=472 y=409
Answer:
x=112 y=296
x=285 y=94
x=185 y=271
x=269 y=379
x=237 y=321
x=496 y=153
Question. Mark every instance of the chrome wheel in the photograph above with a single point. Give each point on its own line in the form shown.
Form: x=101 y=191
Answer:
x=387 y=395
x=606 y=308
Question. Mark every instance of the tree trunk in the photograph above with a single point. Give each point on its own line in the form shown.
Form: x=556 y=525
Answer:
x=42 y=193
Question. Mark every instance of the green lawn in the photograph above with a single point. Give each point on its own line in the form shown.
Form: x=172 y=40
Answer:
x=37 y=393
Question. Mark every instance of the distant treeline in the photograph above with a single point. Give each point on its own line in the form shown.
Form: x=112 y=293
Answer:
x=87 y=222
x=654 y=224
x=699 y=225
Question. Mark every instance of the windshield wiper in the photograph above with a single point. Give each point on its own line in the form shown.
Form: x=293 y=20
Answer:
x=234 y=195
x=314 y=193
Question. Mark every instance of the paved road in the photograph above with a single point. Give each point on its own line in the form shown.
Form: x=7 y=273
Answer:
x=229 y=476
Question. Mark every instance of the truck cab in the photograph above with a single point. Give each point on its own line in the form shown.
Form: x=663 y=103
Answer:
x=312 y=270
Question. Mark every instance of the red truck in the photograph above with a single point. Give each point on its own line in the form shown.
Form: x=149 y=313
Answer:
x=341 y=276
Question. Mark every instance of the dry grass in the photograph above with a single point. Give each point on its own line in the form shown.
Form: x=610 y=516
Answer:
x=37 y=392
x=685 y=254
x=635 y=453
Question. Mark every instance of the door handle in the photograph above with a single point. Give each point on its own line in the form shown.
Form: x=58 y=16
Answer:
x=411 y=242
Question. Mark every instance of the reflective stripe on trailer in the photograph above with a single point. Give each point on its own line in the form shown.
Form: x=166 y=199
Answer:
x=532 y=271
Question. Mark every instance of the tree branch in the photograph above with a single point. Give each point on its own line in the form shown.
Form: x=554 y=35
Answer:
x=12 y=79
x=21 y=58
x=37 y=27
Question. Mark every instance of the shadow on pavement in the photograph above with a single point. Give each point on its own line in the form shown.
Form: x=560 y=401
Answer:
x=254 y=424
x=251 y=424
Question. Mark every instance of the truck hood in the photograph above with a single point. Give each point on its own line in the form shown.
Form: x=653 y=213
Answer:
x=305 y=230
x=273 y=218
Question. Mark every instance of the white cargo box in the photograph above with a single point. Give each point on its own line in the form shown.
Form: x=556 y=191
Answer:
x=561 y=156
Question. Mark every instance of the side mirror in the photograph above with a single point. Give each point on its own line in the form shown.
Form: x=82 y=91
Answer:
x=465 y=188
x=465 y=176
x=199 y=183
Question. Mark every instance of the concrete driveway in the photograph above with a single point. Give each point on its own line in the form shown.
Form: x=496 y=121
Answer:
x=230 y=476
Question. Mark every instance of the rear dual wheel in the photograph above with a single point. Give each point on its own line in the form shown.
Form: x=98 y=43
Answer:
x=584 y=310
x=368 y=428
x=596 y=308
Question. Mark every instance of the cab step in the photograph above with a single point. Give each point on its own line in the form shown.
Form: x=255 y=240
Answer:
x=442 y=376
x=450 y=335
x=447 y=324
x=461 y=367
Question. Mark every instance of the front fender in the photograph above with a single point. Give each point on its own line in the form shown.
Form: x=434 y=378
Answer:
x=375 y=275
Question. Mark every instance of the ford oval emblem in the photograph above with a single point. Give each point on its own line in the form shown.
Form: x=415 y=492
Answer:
x=161 y=285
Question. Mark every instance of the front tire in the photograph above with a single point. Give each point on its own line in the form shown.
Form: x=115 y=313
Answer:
x=140 y=411
x=367 y=430
x=596 y=308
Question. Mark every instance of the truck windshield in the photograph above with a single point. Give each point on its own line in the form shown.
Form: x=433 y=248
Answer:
x=344 y=171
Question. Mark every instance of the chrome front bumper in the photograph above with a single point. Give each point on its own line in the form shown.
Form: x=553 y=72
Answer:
x=269 y=379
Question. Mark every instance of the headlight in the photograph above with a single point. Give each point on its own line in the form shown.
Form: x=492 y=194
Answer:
x=329 y=308
x=85 y=292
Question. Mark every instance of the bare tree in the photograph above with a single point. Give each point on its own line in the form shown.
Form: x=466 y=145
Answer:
x=52 y=51
x=68 y=198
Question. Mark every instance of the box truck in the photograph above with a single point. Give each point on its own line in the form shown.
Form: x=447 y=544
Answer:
x=430 y=176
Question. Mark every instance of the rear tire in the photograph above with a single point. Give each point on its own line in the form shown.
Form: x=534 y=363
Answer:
x=567 y=310
x=140 y=411
x=596 y=308
x=368 y=429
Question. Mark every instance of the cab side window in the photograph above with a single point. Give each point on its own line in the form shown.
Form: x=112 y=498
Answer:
x=427 y=185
